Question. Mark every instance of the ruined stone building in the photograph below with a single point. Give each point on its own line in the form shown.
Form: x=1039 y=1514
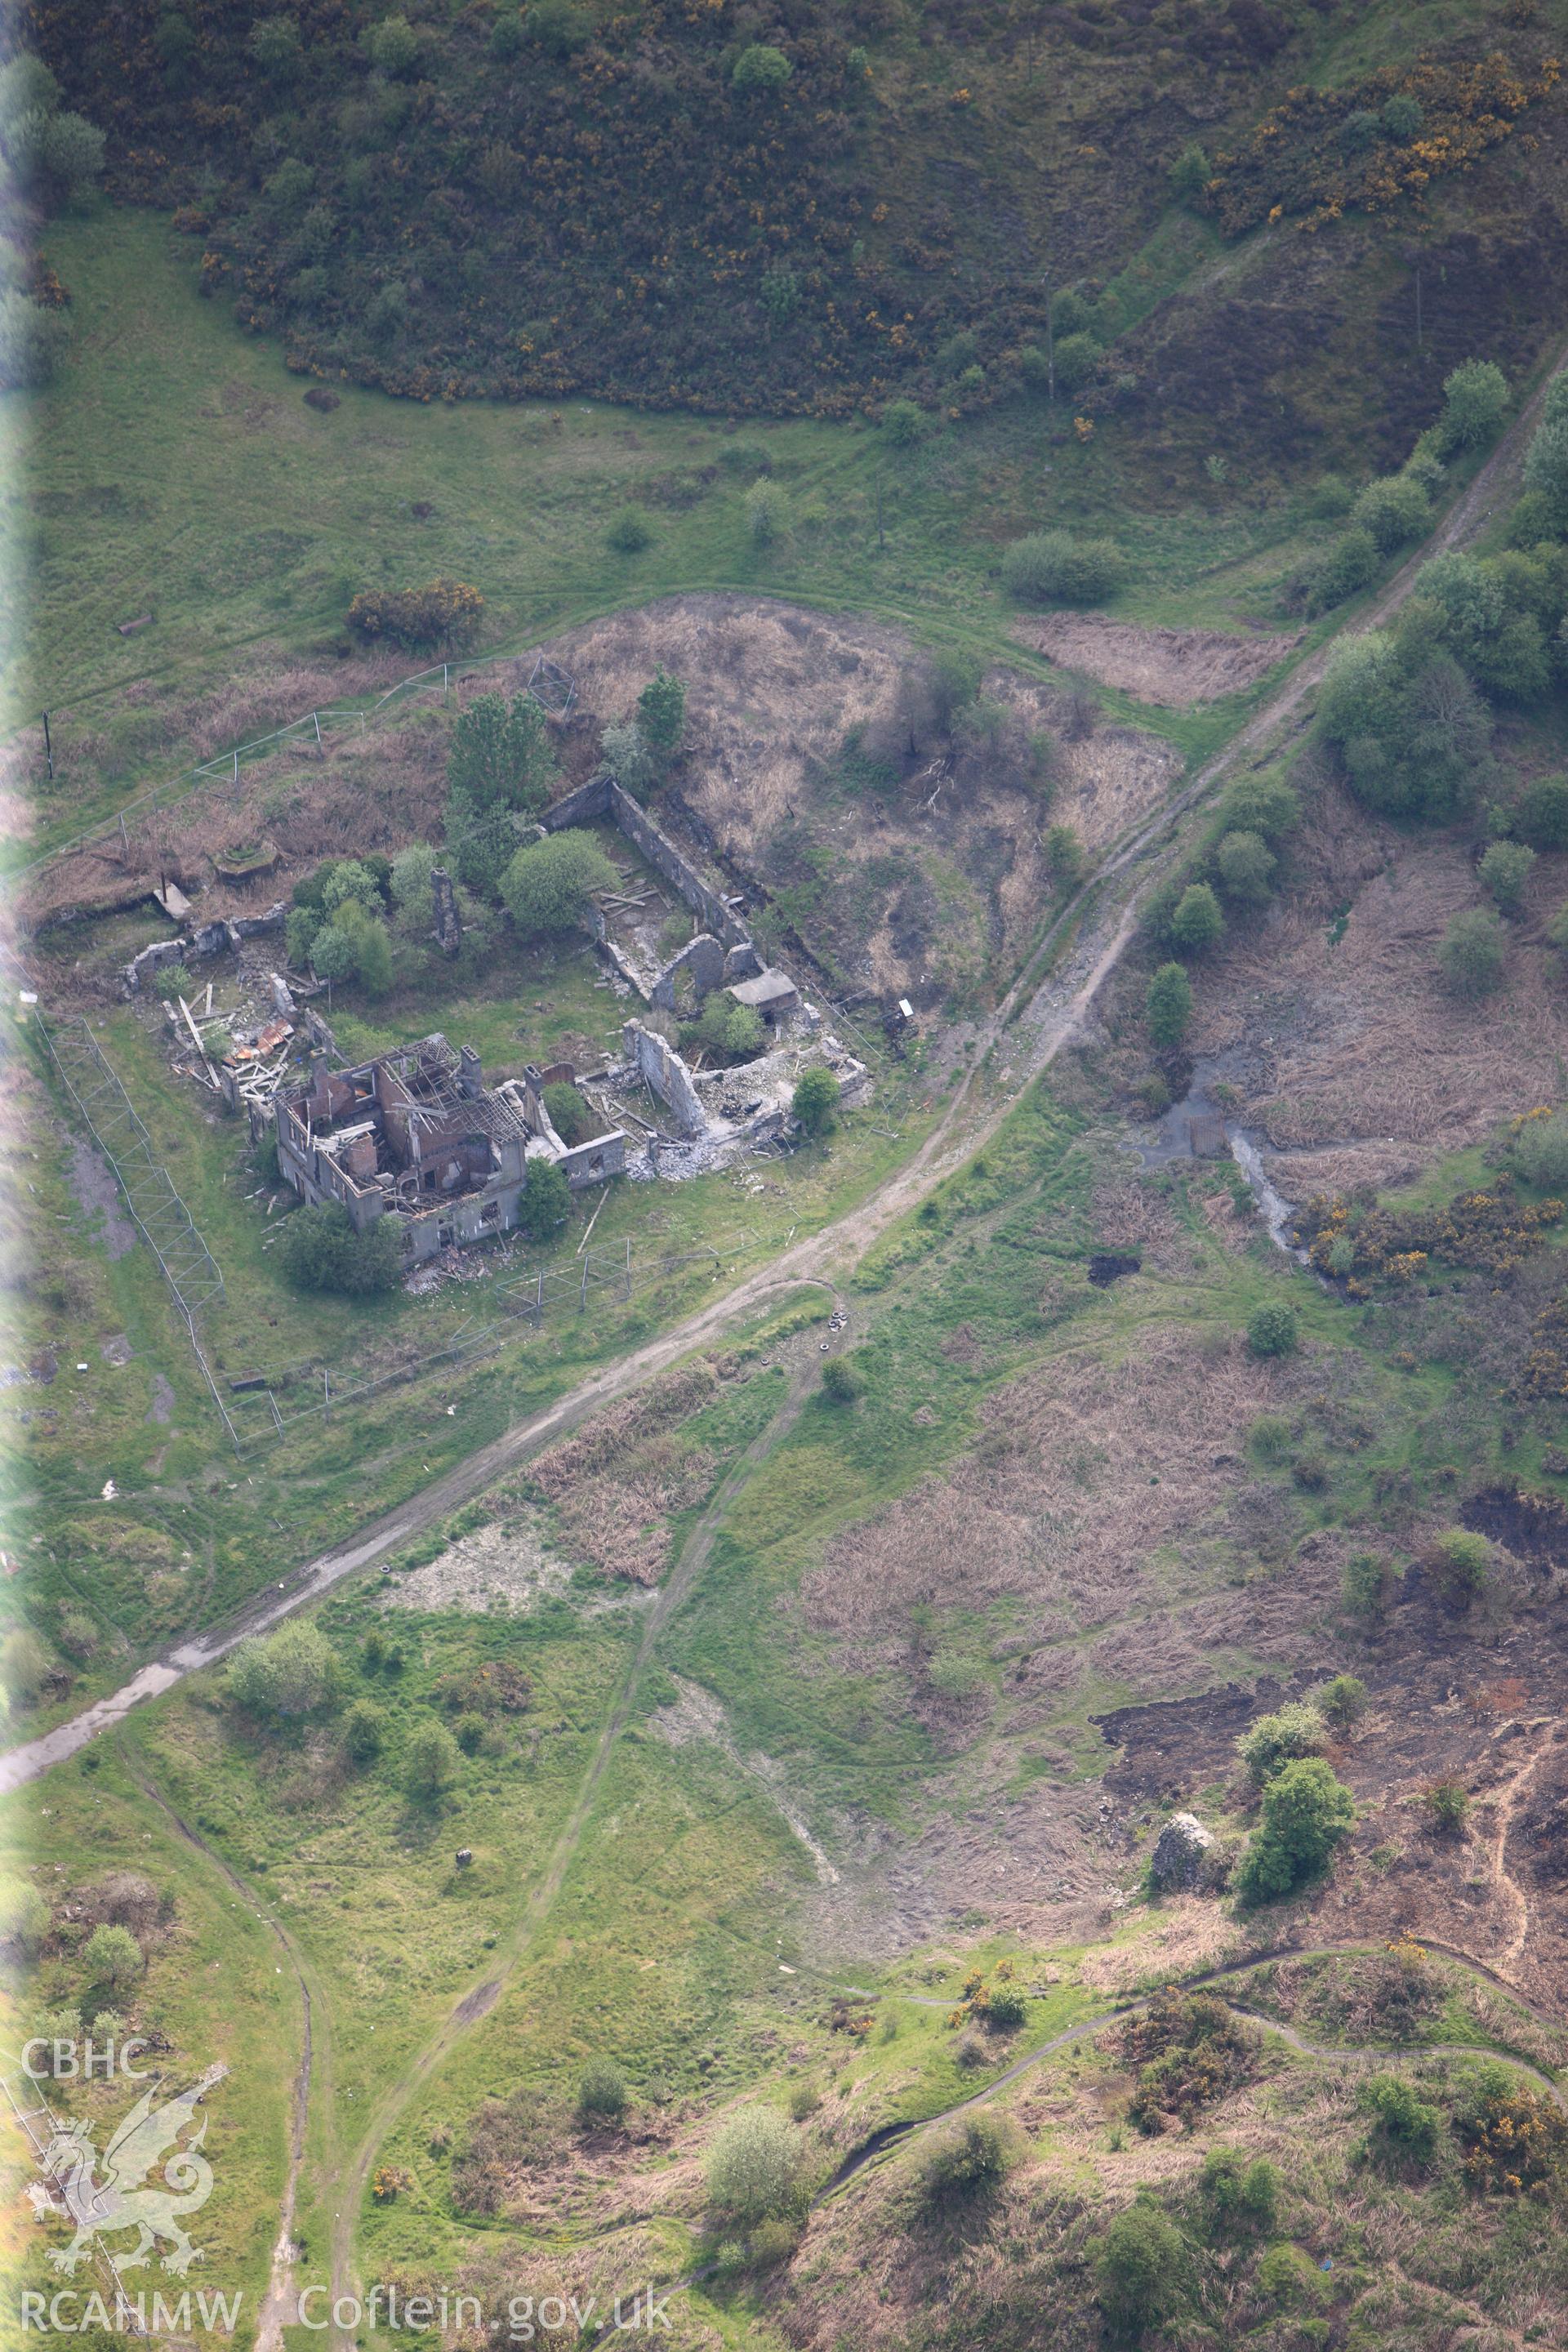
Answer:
x=416 y=1134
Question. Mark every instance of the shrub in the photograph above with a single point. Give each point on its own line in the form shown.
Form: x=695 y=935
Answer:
x=1392 y=512
x=1515 y=2139
x=1289 y=2278
x=24 y=1915
x=548 y=884
x=1363 y=1585
x=761 y=67
x=544 y=1203
x=1237 y=2195
x=1348 y=566
x=291 y=1672
x=1245 y=863
x=32 y=342
x=626 y=753
x=321 y=1251
x=1473 y=953
x=1141 y=2270
x=24 y=1666
x=841 y=1383
x=1065 y=858
x=752 y=2167
x=631 y=532
x=1196 y=923
x=1542 y=813
x=1459 y=1563
x=1052 y=567
x=1005 y=2007
x=1270 y=1743
x=393 y=48
x=1306 y=1813
x=113 y=1958
x=1341 y=1702
x=905 y=423
x=661 y=714
x=569 y=1114
x=1405 y=2127
x=767 y=514
x=364 y=1731
x=966 y=2160
x=603 y=2093
x=434 y=1763
x=171 y=980
x=1191 y=172
x=1448 y=1803
x=1168 y=1004
x=1504 y=869
x=469 y=1730
x=276 y=46
x=502 y=755
x=1537 y=1151
x=1475 y=401
x=1271 y=1328
x=1077 y=356
x=725 y=1027
x=446 y=612
x=558 y=27
x=1270 y=1437
x=1403 y=115
x=814 y=1102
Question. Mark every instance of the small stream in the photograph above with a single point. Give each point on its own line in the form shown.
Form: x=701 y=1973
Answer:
x=1200 y=1126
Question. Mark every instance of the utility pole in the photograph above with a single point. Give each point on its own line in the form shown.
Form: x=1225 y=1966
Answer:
x=880 y=541
x=1418 y=306
x=49 y=748
x=1050 y=344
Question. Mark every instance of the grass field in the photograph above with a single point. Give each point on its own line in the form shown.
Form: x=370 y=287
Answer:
x=173 y=468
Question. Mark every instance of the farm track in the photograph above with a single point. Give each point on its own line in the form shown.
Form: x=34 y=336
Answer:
x=1046 y=1009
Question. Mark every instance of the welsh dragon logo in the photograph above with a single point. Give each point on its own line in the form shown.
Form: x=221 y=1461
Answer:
x=123 y=2200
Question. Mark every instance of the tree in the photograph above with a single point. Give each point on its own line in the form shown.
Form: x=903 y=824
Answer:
x=1196 y=923
x=1271 y=1328
x=841 y=1383
x=1392 y=512
x=1141 y=2270
x=502 y=755
x=1342 y=1701
x=816 y=1100
x=1448 y=1802
x=32 y=342
x=1306 y=1813
x=1539 y=1151
x=661 y=714
x=1052 y=567
x=1413 y=734
x=25 y=1916
x=1474 y=400
x=393 y=48
x=321 y=1251
x=1064 y=858
x=601 y=2093
x=1472 y=954
x=434 y=1763
x=1191 y=172
x=631 y=532
x=1245 y=863
x=905 y=423
x=1077 y=357
x=275 y=46
x=113 y=1958
x=364 y=1731
x=761 y=67
x=752 y=2167
x=1542 y=815
x=1405 y=2127
x=1546 y=468
x=292 y=1672
x=1271 y=1742
x=626 y=754
x=1168 y=1005
x=767 y=514
x=346 y=880
x=558 y=27
x=545 y=1201
x=967 y=2160
x=1504 y=869
x=548 y=884
x=413 y=893
x=569 y=1114
x=1238 y=2195
x=1459 y=1562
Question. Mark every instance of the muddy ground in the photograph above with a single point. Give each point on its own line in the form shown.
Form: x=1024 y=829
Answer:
x=1173 y=668
x=934 y=884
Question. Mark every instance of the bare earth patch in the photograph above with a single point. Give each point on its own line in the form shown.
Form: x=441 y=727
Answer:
x=1172 y=668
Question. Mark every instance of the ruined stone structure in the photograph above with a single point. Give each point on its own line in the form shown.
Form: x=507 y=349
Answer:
x=416 y=1134
x=665 y=1075
x=194 y=946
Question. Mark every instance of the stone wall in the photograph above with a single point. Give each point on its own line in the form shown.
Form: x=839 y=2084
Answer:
x=662 y=1069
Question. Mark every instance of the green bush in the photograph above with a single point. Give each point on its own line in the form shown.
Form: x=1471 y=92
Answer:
x=767 y=514
x=761 y=67
x=558 y=27
x=291 y=1672
x=905 y=423
x=25 y=1916
x=569 y=1114
x=1198 y=920
x=1191 y=172
x=661 y=714
x=1270 y=1437
x=1305 y=1814
x=1065 y=858
x=1237 y=2195
x=603 y=2093
x=1341 y=1702
x=1245 y=863
x=1403 y=115
x=1542 y=813
x=1168 y=1005
x=544 y=1203
x=24 y=1667
x=968 y=2159
x=433 y=1763
x=1504 y=870
x=113 y=1958
x=393 y=48
x=1459 y=1561
x=1414 y=736
x=1349 y=565
x=1363 y=1585
x=1142 y=2270
x=841 y=1383
x=1405 y=2127
x=631 y=532
x=1539 y=1151
x=321 y=1251
x=1473 y=953
x=1392 y=512
x=1077 y=357
x=1005 y=2007
x=549 y=884
x=502 y=755
x=1267 y=1746
x=814 y=1102
x=1474 y=398
x=753 y=2169
x=1052 y=567
x=1271 y=1328
x=32 y=342
x=1448 y=1803
x=364 y=1731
